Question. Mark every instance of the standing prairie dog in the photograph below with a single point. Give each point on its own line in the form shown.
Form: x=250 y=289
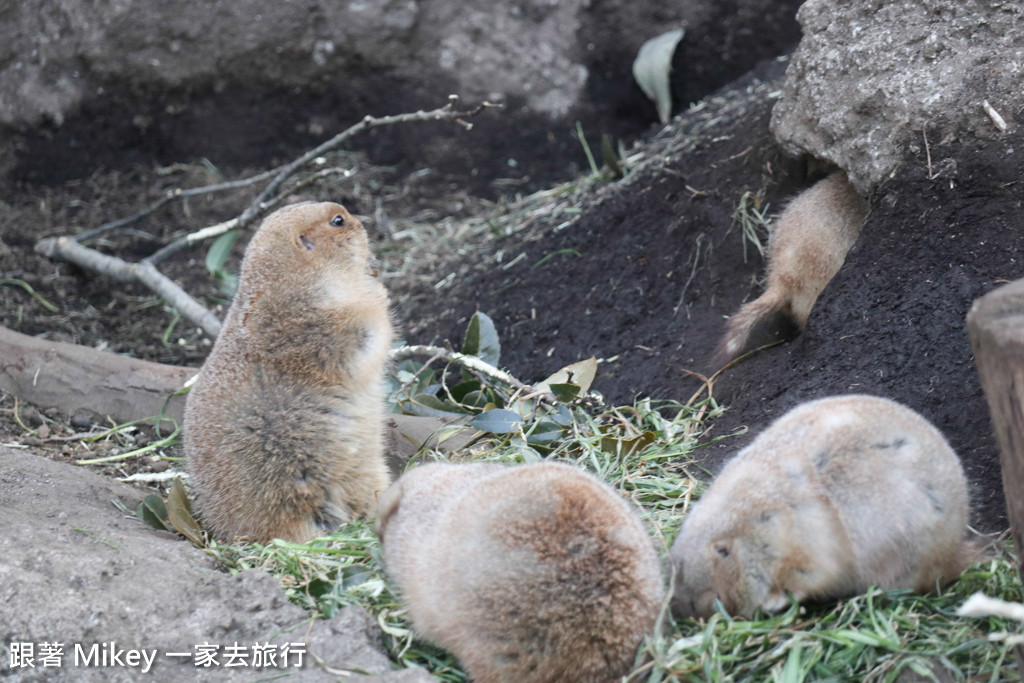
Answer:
x=837 y=495
x=534 y=573
x=284 y=426
x=807 y=247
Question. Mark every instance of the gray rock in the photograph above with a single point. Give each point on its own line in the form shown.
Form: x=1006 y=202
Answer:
x=76 y=571
x=869 y=77
x=240 y=82
x=57 y=56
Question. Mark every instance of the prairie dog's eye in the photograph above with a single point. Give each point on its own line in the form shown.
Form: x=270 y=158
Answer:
x=338 y=221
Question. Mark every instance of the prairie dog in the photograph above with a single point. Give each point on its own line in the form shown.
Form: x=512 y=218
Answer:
x=837 y=495
x=284 y=426
x=535 y=573
x=806 y=249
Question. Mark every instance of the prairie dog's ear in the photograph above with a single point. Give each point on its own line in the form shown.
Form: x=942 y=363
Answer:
x=387 y=506
x=722 y=548
x=305 y=242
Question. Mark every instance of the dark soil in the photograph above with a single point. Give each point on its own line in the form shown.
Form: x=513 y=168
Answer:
x=645 y=276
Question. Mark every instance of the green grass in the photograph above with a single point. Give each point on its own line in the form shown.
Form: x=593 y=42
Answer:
x=647 y=452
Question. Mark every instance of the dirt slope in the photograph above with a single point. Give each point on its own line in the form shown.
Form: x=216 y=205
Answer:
x=645 y=274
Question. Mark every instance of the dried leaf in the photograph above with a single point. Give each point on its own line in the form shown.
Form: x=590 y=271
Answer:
x=179 y=514
x=580 y=373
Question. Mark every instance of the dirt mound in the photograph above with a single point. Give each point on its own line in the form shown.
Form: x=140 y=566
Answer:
x=643 y=276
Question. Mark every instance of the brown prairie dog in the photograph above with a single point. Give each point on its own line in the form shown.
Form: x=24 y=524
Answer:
x=837 y=495
x=284 y=425
x=533 y=573
x=807 y=247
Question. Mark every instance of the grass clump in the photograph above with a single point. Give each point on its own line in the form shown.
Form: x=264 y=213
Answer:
x=646 y=452
x=755 y=224
x=878 y=636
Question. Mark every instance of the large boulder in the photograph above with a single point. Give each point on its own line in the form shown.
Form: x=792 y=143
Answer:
x=75 y=571
x=87 y=84
x=870 y=77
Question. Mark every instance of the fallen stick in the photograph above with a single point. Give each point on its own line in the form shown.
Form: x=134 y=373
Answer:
x=71 y=377
x=67 y=249
x=70 y=248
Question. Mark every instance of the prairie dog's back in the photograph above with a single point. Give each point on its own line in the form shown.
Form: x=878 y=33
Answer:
x=890 y=475
x=836 y=495
x=529 y=573
x=811 y=239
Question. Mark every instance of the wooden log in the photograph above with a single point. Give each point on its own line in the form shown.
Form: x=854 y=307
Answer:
x=995 y=324
x=71 y=377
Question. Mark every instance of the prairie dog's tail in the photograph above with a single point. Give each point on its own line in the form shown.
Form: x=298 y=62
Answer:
x=737 y=337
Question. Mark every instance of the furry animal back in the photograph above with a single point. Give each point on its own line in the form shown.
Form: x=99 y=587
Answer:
x=837 y=495
x=534 y=573
x=807 y=247
x=284 y=425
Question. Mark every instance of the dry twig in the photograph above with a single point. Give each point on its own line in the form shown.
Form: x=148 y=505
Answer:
x=471 y=363
x=71 y=249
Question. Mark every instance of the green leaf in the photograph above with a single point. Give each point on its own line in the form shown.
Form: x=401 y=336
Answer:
x=651 y=70
x=219 y=251
x=561 y=416
x=153 y=512
x=544 y=433
x=482 y=339
x=564 y=392
x=33 y=293
x=227 y=283
x=463 y=389
x=586 y=149
x=498 y=421
x=558 y=252
x=430 y=406
x=610 y=157
x=792 y=672
x=475 y=399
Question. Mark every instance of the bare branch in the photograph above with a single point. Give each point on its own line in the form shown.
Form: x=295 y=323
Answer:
x=471 y=363
x=220 y=228
x=67 y=249
x=266 y=197
x=71 y=248
x=122 y=222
